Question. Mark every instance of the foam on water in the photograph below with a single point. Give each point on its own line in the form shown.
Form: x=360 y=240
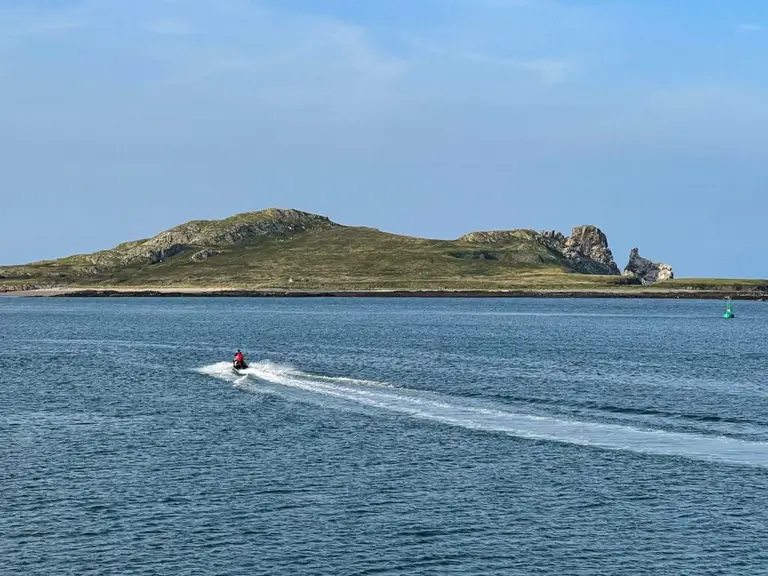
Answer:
x=466 y=413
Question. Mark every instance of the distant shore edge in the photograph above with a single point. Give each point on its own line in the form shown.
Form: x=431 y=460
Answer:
x=271 y=293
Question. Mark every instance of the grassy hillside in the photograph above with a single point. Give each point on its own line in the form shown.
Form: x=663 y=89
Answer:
x=337 y=257
x=288 y=249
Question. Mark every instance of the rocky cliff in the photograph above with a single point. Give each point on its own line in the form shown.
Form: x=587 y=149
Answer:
x=585 y=251
x=646 y=271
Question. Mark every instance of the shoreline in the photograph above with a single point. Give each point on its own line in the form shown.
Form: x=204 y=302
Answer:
x=667 y=294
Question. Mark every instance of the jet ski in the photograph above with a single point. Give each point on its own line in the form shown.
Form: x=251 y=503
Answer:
x=238 y=366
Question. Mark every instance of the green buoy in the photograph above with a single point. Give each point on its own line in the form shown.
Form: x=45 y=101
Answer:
x=728 y=311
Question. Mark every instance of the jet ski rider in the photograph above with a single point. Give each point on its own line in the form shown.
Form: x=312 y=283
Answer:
x=239 y=359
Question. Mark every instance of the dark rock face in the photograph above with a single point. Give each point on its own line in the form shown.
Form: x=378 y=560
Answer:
x=646 y=271
x=495 y=236
x=587 y=249
x=478 y=255
x=553 y=240
x=203 y=255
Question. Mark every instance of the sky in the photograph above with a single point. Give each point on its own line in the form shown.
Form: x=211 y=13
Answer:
x=648 y=119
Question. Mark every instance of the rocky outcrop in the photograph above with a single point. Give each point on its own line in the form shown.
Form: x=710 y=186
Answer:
x=10 y=288
x=498 y=236
x=204 y=254
x=646 y=271
x=553 y=240
x=585 y=250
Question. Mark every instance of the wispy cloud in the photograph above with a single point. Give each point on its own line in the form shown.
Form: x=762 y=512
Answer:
x=549 y=71
x=18 y=27
x=168 y=27
x=546 y=70
x=749 y=27
x=53 y=24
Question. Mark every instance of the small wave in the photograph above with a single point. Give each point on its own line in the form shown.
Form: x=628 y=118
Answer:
x=220 y=370
x=242 y=380
x=223 y=370
x=342 y=380
x=706 y=418
x=463 y=412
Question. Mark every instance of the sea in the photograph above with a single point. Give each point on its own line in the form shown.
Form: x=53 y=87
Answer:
x=398 y=436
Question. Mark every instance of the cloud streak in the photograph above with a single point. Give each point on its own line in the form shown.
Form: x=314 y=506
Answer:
x=168 y=27
x=21 y=26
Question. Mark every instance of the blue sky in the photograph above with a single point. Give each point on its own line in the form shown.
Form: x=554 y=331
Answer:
x=649 y=119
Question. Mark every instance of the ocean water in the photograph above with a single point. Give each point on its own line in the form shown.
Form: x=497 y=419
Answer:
x=383 y=436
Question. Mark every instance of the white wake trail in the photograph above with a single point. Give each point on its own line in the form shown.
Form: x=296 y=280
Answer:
x=458 y=411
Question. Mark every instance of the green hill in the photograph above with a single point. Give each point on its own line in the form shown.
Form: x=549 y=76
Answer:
x=284 y=249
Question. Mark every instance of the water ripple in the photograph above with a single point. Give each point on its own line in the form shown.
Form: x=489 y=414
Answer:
x=384 y=437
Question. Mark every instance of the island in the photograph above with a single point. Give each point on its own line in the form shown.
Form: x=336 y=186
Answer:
x=287 y=252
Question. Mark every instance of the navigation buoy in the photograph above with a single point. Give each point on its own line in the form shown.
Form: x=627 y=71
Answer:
x=728 y=310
